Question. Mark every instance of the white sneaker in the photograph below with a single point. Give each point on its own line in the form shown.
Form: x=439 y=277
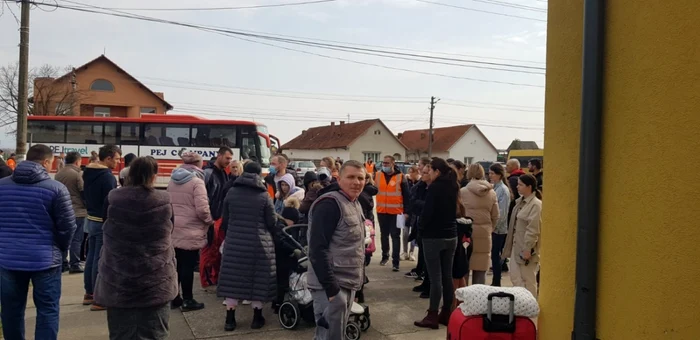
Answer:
x=245 y=302
x=404 y=257
x=411 y=257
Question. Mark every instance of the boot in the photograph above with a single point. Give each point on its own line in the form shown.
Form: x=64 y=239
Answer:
x=444 y=317
x=425 y=295
x=429 y=321
x=360 y=296
x=258 y=319
x=191 y=305
x=230 y=325
x=176 y=303
x=419 y=288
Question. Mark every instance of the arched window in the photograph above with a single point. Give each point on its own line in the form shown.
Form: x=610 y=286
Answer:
x=397 y=156
x=102 y=85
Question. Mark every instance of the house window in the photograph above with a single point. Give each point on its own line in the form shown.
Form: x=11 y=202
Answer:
x=148 y=110
x=468 y=160
x=101 y=111
x=397 y=157
x=374 y=156
x=377 y=132
x=102 y=85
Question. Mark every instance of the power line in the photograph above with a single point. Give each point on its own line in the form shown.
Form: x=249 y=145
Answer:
x=13 y=13
x=351 y=49
x=235 y=34
x=512 y=5
x=221 y=8
x=479 y=10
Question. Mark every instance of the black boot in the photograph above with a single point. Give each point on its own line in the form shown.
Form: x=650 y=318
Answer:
x=360 y=296
x=191 y=305
x=258 y=319
x=176 y=303
x=230 y=325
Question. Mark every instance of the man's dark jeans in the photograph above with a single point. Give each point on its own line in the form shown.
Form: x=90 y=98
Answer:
x=387 y=226
x=76 y=244
x=93 y=257
x=46 y=291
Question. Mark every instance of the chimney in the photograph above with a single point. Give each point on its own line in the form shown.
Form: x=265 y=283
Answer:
x=342 y=122
x=303 y=132
x=332 y=123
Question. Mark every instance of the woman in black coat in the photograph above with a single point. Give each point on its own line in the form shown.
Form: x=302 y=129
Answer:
x=248 y=268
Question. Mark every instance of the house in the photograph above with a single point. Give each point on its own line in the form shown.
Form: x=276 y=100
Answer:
x=518 y=144
x=366 y=139
x=99 y=88
x=463 y=142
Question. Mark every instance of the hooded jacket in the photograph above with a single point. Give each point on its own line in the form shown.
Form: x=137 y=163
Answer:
x=294 y=191
x=137 y=265
x=248 y=267
x=188 y=196
x=37 y=222
x=98 y=182
x=481 y=204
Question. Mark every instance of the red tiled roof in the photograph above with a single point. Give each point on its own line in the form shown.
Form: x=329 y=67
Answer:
x=337 y=136
x=443 y=138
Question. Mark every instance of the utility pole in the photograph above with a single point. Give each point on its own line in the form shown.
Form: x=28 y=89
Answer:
x=430 y=133
x=23 y=97
x=348 y=118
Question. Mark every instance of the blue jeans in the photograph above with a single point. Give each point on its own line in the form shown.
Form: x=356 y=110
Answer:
x=76 y=243
x=46 y=295
x=497 y=243
x=93 y=256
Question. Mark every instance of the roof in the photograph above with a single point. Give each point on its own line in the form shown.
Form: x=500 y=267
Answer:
x=334 y=136
x=104 y=58
x=443 y=138
x=523 y=145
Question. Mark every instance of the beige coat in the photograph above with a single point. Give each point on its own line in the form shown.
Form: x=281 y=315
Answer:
x=524 y=229
x=481 y=205
x=72 y=178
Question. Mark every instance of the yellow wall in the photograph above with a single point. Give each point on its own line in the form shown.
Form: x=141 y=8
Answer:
x=649 y=274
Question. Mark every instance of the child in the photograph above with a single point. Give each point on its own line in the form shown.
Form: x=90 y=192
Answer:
x=284 y=251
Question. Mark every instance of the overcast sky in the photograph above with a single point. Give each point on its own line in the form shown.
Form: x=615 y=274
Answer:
x=181 y=56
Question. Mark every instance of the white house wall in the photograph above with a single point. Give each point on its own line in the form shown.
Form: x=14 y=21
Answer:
x=473 y=144
x=383 y=143
x=316 y=154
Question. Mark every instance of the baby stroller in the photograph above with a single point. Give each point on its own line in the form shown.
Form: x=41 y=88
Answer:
x=298 y=303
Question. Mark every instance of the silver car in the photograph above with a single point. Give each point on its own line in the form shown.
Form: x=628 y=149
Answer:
x=302 y=167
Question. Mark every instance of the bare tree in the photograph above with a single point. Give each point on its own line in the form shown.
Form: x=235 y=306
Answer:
x=46 y=97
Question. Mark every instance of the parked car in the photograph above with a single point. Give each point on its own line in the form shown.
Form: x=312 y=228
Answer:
x=302 y=167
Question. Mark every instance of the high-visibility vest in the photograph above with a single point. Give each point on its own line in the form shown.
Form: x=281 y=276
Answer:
x=390 y=197
x=369 y=168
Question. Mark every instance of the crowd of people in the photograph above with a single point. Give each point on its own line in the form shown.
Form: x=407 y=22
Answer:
x=224 y=219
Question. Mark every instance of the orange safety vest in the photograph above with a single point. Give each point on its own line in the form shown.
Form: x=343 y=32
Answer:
x=389 y=198
x=369 y=168
x=12 y=164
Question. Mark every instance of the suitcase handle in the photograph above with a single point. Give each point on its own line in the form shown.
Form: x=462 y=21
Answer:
x=511 y=297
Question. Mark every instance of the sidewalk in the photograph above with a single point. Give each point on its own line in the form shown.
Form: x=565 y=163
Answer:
x=393 y=308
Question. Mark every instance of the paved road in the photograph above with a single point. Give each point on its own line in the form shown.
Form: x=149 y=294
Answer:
x=394 y=308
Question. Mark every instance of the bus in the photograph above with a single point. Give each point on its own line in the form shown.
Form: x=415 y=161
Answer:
x=163 y=137
x=524 y=156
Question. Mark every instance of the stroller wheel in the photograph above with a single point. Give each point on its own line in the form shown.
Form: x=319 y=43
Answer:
x=288 y=315
x=352 y=331
x=364 y=322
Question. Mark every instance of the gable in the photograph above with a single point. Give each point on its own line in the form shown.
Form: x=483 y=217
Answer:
x=443 y=138
x=335 y=136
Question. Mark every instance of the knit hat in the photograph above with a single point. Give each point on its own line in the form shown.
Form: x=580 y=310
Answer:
x=252 y=168
x=291 y=214
x=191 y=157
x=309 y=177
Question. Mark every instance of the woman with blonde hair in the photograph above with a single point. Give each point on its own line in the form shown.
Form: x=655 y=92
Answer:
x=329 y=163
x=481 y=205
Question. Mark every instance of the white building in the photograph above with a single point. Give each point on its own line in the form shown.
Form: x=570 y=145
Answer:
x=463 y=142
x=358 y=141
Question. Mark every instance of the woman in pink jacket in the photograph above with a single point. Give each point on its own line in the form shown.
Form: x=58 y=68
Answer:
x=188 y=196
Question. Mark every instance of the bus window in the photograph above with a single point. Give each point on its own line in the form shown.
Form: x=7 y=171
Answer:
x=84 y=133
x=129 y=134
x=166 y=135
x=214 y=136
x=46 y=132
x=110 y=130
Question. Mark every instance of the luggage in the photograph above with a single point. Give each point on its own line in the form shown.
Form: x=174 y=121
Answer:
x=474 y=300
x=491 y=326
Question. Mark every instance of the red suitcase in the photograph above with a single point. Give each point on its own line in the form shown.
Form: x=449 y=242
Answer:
x=491 y=327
